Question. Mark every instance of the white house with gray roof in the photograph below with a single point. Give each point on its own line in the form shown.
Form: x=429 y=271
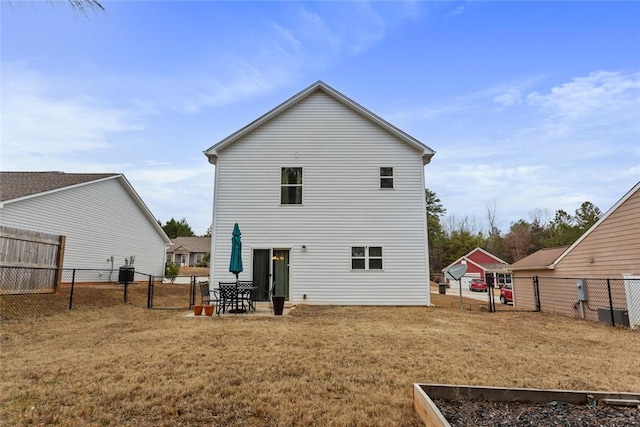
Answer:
x=330 y=201
x=189 y=251
x=101 y=215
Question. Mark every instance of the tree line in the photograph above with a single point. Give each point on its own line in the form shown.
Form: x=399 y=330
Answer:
x=180 y=228
x=450 y=238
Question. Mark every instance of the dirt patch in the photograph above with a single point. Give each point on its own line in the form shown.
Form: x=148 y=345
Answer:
x=493 y=414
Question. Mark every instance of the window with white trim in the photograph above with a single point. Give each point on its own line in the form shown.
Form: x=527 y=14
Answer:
x=291 y=186
x=366 y=257
x=504 y=279
x=199 y=258
x=386 y=178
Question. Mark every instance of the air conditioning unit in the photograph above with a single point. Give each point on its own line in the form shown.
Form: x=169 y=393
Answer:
x=620 y=316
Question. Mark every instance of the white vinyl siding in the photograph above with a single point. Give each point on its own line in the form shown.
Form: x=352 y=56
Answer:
x=99 y=220
x=341 y=153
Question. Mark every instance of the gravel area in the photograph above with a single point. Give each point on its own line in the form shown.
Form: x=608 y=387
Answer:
x=513 y=414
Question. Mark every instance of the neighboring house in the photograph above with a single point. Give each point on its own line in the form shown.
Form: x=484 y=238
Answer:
x=610 y=249
x=188 y=251
x=482 y=265
x=330 y=201
x=103 y=218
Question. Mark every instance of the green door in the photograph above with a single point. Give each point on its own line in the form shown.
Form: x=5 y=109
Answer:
x=281 y=272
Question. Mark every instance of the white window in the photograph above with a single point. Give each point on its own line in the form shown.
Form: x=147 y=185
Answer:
x=386 y=178
x=199 y=258
x=366 y=257
x=504 y=279
x=169 y=256
x=291 y=186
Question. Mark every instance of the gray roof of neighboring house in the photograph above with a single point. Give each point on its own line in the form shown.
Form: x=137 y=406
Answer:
x=541 y=260
x=14 y=185
x=191 y=244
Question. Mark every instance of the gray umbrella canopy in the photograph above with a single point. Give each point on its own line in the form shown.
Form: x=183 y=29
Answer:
x=235 y=265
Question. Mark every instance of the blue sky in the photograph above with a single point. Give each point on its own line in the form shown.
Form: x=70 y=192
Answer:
x=528 y=105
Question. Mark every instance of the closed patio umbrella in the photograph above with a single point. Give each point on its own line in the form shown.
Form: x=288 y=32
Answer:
x=235 y=265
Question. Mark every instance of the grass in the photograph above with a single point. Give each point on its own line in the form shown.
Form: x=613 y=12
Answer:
x=336 y=366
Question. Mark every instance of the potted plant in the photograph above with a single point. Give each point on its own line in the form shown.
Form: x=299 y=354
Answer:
x=208 y=310
x=197 y=310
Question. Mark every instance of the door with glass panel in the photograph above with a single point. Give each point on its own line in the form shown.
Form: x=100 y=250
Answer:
x=281 y=272
x=261 y=273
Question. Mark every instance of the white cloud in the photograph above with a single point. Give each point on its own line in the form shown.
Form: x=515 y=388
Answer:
x=600 y=101
x=554 y=150
x=40 y=123
x=511 y=98
x=601 y=90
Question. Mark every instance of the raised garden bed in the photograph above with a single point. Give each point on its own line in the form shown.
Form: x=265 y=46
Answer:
x=441 y=405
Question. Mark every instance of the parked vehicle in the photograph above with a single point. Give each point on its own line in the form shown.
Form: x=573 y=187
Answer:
x=478 y=285
x=506 y=294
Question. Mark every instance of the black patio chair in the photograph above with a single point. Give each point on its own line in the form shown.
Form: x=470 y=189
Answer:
x=228 y=296
x=270 y=295
x=208 y=296
x=246 y=291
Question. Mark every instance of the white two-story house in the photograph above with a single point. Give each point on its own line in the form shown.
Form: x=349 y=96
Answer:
x=330 y=201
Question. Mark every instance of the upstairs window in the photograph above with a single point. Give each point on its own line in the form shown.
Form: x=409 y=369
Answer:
x=386 y=178
x=291 y=186
x=366 y=257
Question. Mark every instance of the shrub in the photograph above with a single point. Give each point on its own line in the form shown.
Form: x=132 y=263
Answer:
x=171 y=271
x=205 y=260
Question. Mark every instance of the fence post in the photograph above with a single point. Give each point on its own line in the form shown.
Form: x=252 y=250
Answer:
x=536 y=293
x=192 y=292
x=150 y=292
x=613 y=321
x=126 y=286
x=492 y=306
x=59 y=261
x=73 y=282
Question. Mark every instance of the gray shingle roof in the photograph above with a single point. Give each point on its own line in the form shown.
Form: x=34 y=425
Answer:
x=539 y=260
x=20 y=184
x=191 y=244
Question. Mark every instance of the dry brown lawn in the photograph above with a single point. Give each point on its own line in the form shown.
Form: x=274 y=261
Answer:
x=340 y=366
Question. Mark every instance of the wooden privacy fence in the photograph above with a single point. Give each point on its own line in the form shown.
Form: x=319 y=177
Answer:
x=30 y=249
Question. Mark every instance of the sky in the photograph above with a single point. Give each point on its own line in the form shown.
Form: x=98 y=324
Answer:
x=529 y=106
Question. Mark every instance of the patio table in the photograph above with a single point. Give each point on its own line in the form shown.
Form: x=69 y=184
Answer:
x=233 y=293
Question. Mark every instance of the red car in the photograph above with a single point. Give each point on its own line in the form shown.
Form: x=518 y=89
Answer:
x=506 y=294
x=478 y=285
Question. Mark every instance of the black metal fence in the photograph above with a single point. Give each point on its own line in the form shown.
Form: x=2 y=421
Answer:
x=89 y=288
x=612 y=301
x=177 y=293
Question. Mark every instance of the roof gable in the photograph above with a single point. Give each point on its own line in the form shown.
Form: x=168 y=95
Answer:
x=549 y=258
x=212 y=152
x=473 y=257
x=17 y=186
x=607 y=214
